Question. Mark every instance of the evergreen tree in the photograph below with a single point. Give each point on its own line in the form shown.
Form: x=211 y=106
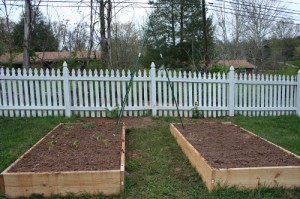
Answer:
x=42 y=37
x=177 y=25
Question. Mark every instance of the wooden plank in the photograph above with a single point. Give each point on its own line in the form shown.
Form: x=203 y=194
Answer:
x=92 y=182
x=261 y=176
x=202 y=167
x=122 y=168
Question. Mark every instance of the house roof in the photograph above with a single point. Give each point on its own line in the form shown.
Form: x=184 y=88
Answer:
x=50 y=56
x=239 y=63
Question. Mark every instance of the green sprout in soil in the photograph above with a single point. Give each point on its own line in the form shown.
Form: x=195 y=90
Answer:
x=97 y=136
x=88 y=125
x=51 y=143
x=105 y=142
x=67 y=129
x=75 y=143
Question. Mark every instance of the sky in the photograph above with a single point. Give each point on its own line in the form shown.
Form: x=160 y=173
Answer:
x=137 y=12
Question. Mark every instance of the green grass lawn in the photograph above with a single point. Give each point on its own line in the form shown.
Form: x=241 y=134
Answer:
x=295 y=62
x=155 y=165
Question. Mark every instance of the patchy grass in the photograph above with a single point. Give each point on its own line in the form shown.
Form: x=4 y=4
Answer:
x=156 y=166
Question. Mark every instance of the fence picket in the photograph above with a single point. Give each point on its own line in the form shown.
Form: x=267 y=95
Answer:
x=59 y=93
x=113 y=91
x=200 y=96
x=175 y=93
x=32 y=93
x=54 y=92
x=146 y=101
x=170 y=95
x=97 y=94
x=37 y=94
x=129 y=94
x=140 y=92
x=159 y=92
x=21 y=97
x=271 y=100
x=15 y=93
x=134 y=92
x=205 y=95
x=190 y=96
x=80 y=93
x=275 y=95
x=9 y=94
x=180 y=93
x=165 y=113
x=224 y=96
x=124 y=92
x=214 y=95
x=92 y=93
x=102 y=93
x=283 y=94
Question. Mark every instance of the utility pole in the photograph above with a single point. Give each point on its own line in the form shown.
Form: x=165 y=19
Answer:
x=27 y=26
x=206 y=58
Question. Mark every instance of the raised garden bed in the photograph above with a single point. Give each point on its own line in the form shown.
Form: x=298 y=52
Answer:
x=72 y=158
x=227 y=155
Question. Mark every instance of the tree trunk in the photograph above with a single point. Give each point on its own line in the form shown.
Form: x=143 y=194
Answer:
x=109 y=17
x=9 y=39
x=173 y=24
x=103 y=42
x=27 y=25
x=181 y=20
x=91 y=34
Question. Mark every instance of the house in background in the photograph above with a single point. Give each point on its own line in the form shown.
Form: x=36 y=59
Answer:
x=49 y=59
x=240 y=65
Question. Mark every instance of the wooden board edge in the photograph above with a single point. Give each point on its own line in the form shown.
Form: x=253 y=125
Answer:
x=122 y=168
x=208 y=181
x=2 y=185
x=29 y=150
x=38 y=183
x=259 y=176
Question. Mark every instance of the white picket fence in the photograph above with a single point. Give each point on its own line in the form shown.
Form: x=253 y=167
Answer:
x=94 y=93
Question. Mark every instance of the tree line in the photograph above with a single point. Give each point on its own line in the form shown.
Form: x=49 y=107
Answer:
x=255 y=30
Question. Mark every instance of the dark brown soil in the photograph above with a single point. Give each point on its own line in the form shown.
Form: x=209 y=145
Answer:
x=131 y=122
x=75 y=147
x=229 y=146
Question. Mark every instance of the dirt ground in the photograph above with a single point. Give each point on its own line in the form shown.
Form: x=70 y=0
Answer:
x=229 y=146
x=75 y=147
x=94 y=145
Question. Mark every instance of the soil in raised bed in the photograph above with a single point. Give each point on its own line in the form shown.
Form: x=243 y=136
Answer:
x=75 y=147
x=229 y=146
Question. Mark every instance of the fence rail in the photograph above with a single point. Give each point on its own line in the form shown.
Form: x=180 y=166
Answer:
x=33 y=93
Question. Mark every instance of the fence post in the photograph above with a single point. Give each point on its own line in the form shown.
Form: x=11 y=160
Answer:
x=298 y=94
x=66 y=90
x=153 y=89
x=231 y=91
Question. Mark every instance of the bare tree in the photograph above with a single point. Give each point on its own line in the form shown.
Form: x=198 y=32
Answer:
x=125 y=46
x=222 y=28
x=285 y=29
x=7 y=29
x=259 y=20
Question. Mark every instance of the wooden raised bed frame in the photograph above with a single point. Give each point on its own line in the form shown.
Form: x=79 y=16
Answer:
x=107 y=182
x=251 y=177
